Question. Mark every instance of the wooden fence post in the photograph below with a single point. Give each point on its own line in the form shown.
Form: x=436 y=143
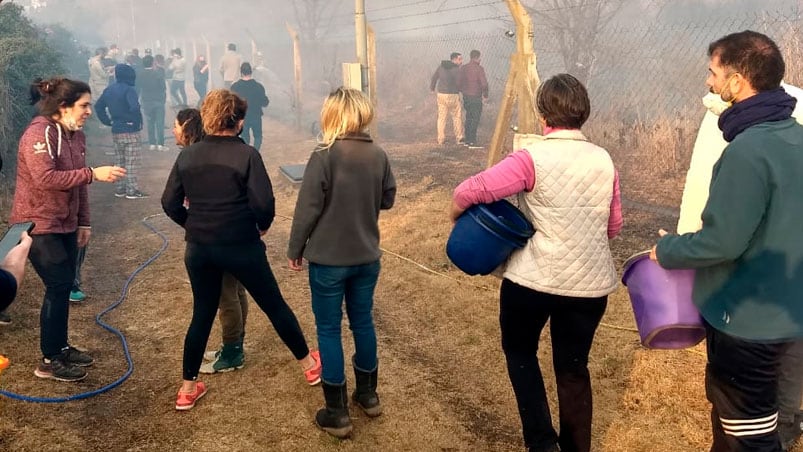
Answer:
x=296 y=72
x=372 y=89
x=522 y=83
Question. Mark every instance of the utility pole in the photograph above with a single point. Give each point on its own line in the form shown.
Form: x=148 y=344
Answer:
x=133 y=24
x=362 y=43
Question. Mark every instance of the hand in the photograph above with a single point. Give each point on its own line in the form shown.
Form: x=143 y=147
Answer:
x=108 y=173
x=295 y=264
x=653 y=251
x=455 y=211
x=14 y=261
x=83 y=236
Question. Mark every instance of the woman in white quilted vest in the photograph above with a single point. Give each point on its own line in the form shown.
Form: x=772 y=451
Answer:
x=569 y=189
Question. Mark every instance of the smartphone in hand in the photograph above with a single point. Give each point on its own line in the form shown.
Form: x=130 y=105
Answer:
x=12 y=237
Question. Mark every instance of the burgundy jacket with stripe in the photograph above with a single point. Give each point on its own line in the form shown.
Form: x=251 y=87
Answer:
x=52 y=178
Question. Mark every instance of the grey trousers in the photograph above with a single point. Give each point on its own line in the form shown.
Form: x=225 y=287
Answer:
x=790 y=387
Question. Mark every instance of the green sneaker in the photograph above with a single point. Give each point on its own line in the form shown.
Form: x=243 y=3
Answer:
x=230 y=357
x=77 y=296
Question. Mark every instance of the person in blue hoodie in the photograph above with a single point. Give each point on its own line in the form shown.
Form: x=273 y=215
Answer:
x=118 y=107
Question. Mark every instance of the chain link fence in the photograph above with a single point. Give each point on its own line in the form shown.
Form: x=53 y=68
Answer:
x=647 y=77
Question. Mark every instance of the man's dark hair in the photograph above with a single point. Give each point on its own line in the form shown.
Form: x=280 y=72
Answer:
x=49 y=95
x=177 y=51
x=474 y=54
x=245 y=69
x=454 y=55
x=753 y=55
x=563 y=102
x=147 y=61
x=232 y=47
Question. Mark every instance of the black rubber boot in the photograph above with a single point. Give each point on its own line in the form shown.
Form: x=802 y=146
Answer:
x=334 y=418
x=365 y=392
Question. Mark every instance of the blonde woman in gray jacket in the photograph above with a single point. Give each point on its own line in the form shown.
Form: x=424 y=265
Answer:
x=347 y=182
x=569 y=188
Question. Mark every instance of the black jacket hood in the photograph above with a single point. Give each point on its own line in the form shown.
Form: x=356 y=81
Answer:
x=125 y=74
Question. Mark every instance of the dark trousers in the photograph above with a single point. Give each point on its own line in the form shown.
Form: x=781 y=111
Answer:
x=200 y=88
x=252 y=132
x=523 y=313
x=741 y=382
x=53 y=257
x=177 y=92
x=790 y=388
x=473 y=107
x=79 y=262
x=154 y=112
x=248 y=264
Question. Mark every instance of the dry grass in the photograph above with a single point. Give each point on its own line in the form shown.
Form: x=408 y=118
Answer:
x=442 y=373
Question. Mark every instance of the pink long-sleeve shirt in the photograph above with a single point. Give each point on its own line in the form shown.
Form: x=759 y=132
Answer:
x=515 y=174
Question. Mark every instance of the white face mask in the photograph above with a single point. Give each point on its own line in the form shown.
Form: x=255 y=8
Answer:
x=70 y=123
x=714 y=103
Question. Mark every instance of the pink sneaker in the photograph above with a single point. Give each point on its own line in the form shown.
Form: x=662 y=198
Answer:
x=313 y=375
x=185 y=401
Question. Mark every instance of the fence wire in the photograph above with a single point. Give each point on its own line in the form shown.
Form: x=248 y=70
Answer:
x=644 y=75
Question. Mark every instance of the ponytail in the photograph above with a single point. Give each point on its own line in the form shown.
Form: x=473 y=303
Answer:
x=51 y=94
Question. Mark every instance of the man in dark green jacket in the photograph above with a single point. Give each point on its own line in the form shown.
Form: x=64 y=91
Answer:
x=749 y=254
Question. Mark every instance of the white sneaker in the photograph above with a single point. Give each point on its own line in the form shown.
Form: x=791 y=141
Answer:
x=152 y=147
x=162 y=148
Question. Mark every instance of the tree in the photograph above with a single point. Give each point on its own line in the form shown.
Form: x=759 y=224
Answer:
x=25 y=54
x=575 y=26
x=315 y=17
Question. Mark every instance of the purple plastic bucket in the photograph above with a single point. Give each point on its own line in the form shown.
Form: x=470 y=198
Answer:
x=665 y=314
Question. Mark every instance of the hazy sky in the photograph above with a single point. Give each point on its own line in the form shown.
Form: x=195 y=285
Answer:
x=133 y=22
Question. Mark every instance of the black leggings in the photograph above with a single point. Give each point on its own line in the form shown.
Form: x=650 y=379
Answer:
x=249 y=265
x=54 y=257
x=572 y=322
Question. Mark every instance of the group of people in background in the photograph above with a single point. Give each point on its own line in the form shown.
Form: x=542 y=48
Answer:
x=748 y=258
x=460 y=87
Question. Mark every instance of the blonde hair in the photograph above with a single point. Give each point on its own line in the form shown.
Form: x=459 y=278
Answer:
x=222 y=110
x=346 y=111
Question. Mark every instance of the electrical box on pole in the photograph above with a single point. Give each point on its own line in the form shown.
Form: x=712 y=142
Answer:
x=352 y=76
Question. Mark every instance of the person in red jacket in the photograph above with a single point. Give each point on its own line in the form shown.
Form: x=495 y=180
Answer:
x=52 y=179
x=474 y=86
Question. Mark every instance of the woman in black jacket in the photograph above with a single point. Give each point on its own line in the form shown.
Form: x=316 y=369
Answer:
x=232 y=202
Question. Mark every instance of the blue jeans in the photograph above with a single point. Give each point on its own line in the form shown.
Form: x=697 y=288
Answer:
x=329 y=285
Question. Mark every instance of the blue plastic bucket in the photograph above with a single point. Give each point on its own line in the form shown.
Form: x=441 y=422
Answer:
x=485 y=235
